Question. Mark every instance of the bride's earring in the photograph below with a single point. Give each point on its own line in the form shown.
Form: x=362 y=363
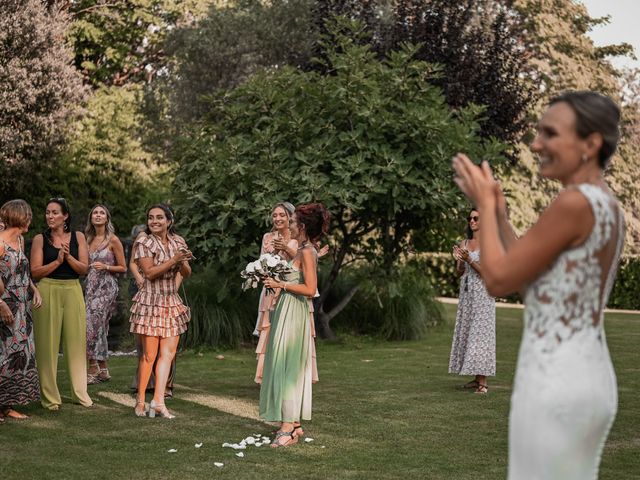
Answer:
x=584 y=158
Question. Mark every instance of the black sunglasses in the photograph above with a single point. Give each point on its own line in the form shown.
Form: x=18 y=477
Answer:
x=475 y=218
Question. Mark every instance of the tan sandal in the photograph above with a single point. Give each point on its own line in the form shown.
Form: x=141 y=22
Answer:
x=103 y=375
x=293 y=439
x=482 y=389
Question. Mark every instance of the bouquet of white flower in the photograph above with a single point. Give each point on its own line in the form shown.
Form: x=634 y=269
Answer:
x=267 y=266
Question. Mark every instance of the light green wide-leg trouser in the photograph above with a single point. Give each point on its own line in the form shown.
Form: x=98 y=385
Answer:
x=62 y=315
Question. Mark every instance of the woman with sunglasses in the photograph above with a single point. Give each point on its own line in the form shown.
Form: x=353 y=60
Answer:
x=59 y=256
x=473 y=351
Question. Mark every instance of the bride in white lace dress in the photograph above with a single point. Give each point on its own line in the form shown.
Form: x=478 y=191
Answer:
x=565 y=393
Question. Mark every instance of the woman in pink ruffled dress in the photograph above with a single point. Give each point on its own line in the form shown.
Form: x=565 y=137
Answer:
x=158 y=314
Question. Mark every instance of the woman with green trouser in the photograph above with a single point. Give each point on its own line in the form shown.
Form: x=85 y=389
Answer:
x=58 y=258
x=285 y=394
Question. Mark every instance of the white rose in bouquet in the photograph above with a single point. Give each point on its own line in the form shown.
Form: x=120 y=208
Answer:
x=267 y=266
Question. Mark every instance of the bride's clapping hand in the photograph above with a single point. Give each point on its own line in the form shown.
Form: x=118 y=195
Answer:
x=477 y=183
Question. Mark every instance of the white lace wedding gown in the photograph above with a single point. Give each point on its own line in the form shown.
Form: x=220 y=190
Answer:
x=565 y=393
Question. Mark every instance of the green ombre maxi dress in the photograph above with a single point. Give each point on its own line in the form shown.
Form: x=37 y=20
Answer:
x=285 y=395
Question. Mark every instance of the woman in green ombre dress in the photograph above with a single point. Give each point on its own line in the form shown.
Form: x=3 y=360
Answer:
x=285 y=394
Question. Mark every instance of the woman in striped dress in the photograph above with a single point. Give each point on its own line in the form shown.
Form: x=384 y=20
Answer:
x=158 y=314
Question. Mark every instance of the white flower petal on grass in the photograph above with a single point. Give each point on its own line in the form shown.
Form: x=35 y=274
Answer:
x=225 y=445
x=307 y=440
x=240 y=454
x=218 y=464
x=266 y=442
x=322 y=446
x=198 y=445
x=172 y=450
x=257 y=435
x=250 y=440
x=258 y=444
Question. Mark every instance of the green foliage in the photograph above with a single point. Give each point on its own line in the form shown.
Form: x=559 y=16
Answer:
x=373 y=141
x=480 y=45
x=38 y=91
x=220 y=316
x=122 y=42
x=104 y=162
x=399 y=306
x=625 y=290
x=230 y=44
x=440 y=272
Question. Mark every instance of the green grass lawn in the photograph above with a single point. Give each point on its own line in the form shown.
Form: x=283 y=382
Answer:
x=381 y=411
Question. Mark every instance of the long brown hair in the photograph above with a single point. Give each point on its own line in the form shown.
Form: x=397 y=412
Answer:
x=90 y=230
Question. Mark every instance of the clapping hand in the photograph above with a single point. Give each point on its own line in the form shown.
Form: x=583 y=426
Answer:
x=63 y=252
x=476 y=182
x=323 y=251
x=99 y=266
x=279 y=243
x=461 y=254
x=183 y=255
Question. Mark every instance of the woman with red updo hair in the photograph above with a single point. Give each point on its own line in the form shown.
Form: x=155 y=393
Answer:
x=289 y=365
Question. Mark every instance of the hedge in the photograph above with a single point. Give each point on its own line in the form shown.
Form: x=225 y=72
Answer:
x=441 y=270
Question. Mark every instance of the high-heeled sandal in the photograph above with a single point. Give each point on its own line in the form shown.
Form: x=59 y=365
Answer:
x=93 y=378
x=138 y=412
x=293 y=439
x=160 y=409
x=298 y=431
x=103 y=375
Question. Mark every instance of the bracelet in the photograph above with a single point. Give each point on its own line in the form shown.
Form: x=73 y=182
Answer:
x=284 y=287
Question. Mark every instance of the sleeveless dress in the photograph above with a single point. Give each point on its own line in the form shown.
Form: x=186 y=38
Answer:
x=473 y=349
x=157 y=309
x=289 y=366
x=267 y=302
x=19 y=383
x=565 y=393
x=101 y=292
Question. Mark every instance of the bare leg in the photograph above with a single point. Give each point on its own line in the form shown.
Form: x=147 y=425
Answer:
x=482 y=384
x=145 y=365
x=167 y=352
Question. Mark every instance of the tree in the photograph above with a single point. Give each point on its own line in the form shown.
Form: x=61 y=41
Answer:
x=122 y=42
x=39 y=90
x=105 y=160
x=373 y=140
x=480 y=44
x=566 y=58
x=228 y=45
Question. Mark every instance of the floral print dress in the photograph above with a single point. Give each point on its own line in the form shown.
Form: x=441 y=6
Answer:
x=19 y=383
x=101 y=294
x=473 y=351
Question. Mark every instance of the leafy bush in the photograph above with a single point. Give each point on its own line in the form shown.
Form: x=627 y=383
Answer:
x=625 y=291
x=220 y=316
x=440 y=271
x=399 y=306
